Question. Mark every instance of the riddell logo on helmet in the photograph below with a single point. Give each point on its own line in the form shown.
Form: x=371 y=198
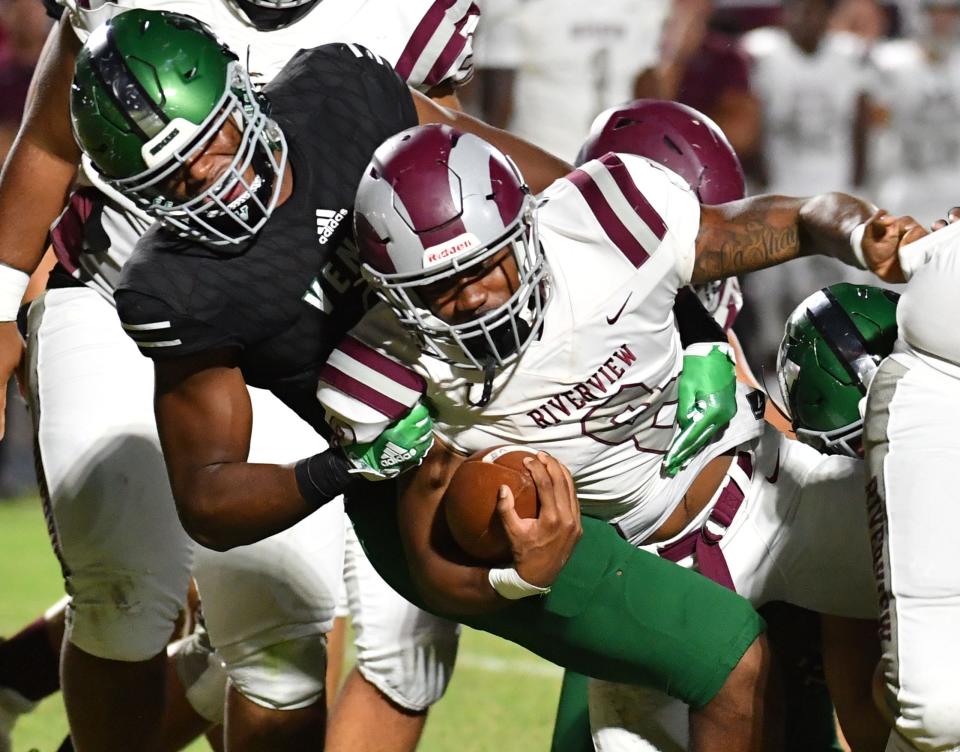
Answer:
x=438 y=253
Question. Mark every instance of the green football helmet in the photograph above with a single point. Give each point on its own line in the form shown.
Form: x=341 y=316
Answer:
x=833 y=343
x=152 y=90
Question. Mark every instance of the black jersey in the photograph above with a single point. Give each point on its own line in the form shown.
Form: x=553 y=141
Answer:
x=287 y=300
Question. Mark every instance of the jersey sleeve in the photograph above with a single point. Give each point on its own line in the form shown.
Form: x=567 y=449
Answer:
x=161 y=332
x=363 y=387
x=648 y=213
x=439 y=49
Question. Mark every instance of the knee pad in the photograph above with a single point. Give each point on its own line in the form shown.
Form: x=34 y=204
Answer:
x=122 y=616
x=414 y=673
x=202 y=675
x=286 y=675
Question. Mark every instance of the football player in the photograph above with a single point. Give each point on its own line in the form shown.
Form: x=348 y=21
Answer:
x=250 y=294
x=548 y=322
x=551 y=65
x=919 y=147
x=812 y=85
x=912 y=448
x=126 y=556
x=689 y=143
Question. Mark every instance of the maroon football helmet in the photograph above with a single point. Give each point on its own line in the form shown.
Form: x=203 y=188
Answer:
x=434 y=203
x=676 y=136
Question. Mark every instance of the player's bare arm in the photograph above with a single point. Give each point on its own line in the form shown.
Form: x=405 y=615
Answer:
x=44 y=146
x=539 y=167
x=758 y=232
x=446 y=579
x=204 y=419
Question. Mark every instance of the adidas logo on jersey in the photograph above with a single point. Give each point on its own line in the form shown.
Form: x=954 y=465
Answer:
x=327 y=223
x=394 y=455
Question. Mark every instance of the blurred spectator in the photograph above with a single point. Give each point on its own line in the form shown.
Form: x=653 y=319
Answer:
x=918 y=152
x=715 y=79
x=25 y=25
x=558 y=63
x=812 y=85
x=866 y=19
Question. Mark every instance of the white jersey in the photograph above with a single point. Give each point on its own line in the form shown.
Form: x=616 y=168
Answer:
x=598 y=390
x=572 y=60
x=929 y=307
x=919 y=151
x=809 y=104
x=429 y=42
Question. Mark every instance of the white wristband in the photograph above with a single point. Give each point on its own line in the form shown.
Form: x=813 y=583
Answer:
x=856 y=244
x=509 y=584
x=13 y=286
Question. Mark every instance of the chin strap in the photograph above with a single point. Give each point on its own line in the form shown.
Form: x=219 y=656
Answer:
x=489 y=371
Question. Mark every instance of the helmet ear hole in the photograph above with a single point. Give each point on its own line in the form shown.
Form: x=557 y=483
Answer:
x=672 y=144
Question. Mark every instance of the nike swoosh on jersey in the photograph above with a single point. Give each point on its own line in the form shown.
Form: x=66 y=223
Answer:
x=772 y=478
x=616 y=317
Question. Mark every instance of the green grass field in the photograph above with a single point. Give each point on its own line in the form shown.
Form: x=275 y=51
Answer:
x=501 y=697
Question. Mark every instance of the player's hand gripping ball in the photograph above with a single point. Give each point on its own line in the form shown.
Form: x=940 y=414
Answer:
x=470 y=501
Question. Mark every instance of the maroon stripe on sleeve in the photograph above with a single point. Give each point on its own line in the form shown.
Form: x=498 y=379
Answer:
x=421 y=35
x=619 y=235
x=451 y=50
x=356 y=389
x=68 y=233
x=382 y=364
x=623 y=179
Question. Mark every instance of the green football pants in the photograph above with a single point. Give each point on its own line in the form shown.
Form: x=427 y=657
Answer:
x=614 y=612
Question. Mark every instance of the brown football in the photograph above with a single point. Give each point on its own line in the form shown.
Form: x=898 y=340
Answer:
x=470 y=502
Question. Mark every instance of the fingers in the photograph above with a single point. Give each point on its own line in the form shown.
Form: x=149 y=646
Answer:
x=952 y=216
x=506 y=508
x=687 y=444
x=544 y=482
x=555 y=489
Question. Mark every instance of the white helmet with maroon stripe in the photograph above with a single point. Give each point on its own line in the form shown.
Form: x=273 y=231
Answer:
x=434 y=203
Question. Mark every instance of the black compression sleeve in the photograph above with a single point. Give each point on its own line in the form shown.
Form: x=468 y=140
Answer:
x=323 y=476
x=693 y=321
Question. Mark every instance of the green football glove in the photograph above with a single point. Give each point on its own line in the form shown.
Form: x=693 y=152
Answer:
x=400 y=447
x=707 y=401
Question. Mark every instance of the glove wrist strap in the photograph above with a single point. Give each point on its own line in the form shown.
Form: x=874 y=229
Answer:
x=323 y=477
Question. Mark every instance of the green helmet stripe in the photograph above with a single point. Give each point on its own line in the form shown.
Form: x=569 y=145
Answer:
x=136 y=106
x=842 y=336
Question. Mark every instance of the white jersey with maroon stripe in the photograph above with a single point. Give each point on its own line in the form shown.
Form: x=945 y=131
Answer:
x=428 y=42
x=598 y=390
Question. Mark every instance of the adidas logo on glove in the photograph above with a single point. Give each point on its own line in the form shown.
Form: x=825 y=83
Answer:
x=394 y=455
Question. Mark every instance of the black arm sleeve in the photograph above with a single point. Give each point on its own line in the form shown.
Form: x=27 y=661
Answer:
x=693 y=321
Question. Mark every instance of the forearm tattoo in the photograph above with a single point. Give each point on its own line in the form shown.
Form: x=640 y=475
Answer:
x=753 y=239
